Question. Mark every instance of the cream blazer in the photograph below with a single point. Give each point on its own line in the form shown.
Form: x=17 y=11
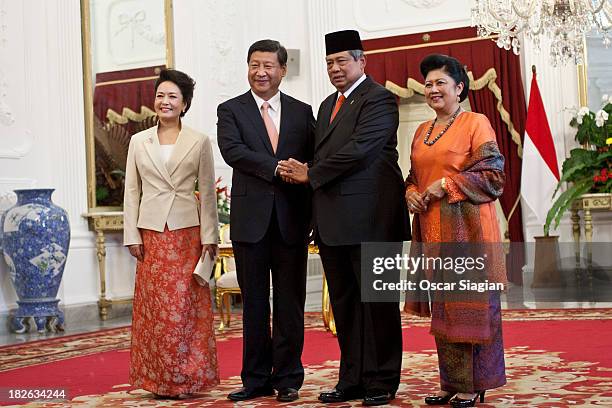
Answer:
x=157 y=194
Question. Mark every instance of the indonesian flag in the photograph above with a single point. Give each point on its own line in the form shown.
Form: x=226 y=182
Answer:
x=540 y=171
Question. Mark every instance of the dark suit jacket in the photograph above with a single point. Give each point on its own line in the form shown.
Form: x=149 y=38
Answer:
x=246 y=147
x=357 y=183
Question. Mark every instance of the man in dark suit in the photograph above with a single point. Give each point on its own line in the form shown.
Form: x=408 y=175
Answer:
x=358 y=196
x=269 y=222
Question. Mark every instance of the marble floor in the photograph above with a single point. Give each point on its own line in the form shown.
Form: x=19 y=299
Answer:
x=71 y=328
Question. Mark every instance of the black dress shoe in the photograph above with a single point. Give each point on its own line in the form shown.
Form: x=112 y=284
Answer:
x=378 y=398
x=437 y=400
x=287 y=395
x=244 y=394
x=462 y=403
x=337 y=395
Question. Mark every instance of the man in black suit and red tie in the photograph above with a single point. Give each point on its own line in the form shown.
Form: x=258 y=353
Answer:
x=269 y=222
x=358 y=196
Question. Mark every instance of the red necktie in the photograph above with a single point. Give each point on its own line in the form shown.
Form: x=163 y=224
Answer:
x=339 y=103
x=270 y=127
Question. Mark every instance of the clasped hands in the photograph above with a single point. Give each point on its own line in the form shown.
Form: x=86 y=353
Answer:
x=418 y=202
x=292 y=171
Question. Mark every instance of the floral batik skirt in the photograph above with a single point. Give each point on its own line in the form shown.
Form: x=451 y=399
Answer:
x=173 y=342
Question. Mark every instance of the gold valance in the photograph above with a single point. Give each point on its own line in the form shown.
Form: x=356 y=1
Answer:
x=128 y=114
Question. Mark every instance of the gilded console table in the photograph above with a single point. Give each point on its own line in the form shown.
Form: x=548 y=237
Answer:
x=101 y=222
x=588 y=203
x=326 y=309
x=222 y=294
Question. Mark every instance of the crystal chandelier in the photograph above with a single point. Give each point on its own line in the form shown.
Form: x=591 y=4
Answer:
x=564 y=22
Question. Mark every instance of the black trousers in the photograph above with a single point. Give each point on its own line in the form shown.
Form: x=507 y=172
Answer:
x=369 y=334
x=272 y=358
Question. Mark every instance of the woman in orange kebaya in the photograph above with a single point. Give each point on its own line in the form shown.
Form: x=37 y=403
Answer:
x=456 y=175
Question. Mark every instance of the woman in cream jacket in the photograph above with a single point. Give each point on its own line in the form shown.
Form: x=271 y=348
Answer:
x=167 y=230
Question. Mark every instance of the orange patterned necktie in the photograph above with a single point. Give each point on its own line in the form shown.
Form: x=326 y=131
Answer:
x=270 y=127
x=339 y=103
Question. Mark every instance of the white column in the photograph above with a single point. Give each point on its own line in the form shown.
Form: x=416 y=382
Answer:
x=321 y=20
x=66 y=112
x=65 y=125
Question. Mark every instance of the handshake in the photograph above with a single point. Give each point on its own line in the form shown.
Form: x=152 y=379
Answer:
x=292 y=171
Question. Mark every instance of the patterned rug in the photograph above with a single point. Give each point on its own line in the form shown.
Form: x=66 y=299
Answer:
x=554 y=358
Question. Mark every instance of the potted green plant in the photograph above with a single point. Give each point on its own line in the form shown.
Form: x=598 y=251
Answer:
x=588 y=169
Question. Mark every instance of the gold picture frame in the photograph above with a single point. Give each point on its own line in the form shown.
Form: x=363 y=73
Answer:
x=595 y=67
x=89 y=78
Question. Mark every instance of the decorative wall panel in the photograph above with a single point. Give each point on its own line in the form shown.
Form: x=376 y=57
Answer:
x=128 y=33
x=406 y=16
x=16 y=138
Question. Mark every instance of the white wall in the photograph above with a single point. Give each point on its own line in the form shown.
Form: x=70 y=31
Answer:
x=44 y=145
x=211 y=41
x=385 y=18
x=42 y=140
x=213 y=37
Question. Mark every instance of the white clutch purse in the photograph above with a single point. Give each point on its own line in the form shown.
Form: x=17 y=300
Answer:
x=203 y=270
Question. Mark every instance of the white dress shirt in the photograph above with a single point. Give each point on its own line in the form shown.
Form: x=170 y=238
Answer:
x=352 y=88
x=275 y=108
x=166 y=152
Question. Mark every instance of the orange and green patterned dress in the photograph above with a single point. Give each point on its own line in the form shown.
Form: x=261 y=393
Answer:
x=468 y=335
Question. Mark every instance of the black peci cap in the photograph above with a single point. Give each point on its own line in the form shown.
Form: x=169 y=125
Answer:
x=342 y=41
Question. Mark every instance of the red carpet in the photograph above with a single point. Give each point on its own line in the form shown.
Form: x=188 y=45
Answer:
x=554 y=359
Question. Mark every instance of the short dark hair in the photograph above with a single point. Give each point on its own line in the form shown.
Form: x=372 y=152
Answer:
x=184 y=82
x=451 y=66
x=269 y=46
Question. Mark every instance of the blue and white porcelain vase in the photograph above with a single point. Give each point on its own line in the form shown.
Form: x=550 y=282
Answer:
x=35 y=240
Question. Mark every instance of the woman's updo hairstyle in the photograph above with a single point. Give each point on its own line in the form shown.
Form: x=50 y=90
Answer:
x=451 y=66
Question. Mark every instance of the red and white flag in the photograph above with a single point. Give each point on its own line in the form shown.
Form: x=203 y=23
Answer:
x=540 y=171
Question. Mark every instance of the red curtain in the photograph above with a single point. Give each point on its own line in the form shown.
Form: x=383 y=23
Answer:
x=478 y=56
x=124 y=89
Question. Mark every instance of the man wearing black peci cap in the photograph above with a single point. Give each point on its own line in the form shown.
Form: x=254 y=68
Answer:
x=358 y=196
